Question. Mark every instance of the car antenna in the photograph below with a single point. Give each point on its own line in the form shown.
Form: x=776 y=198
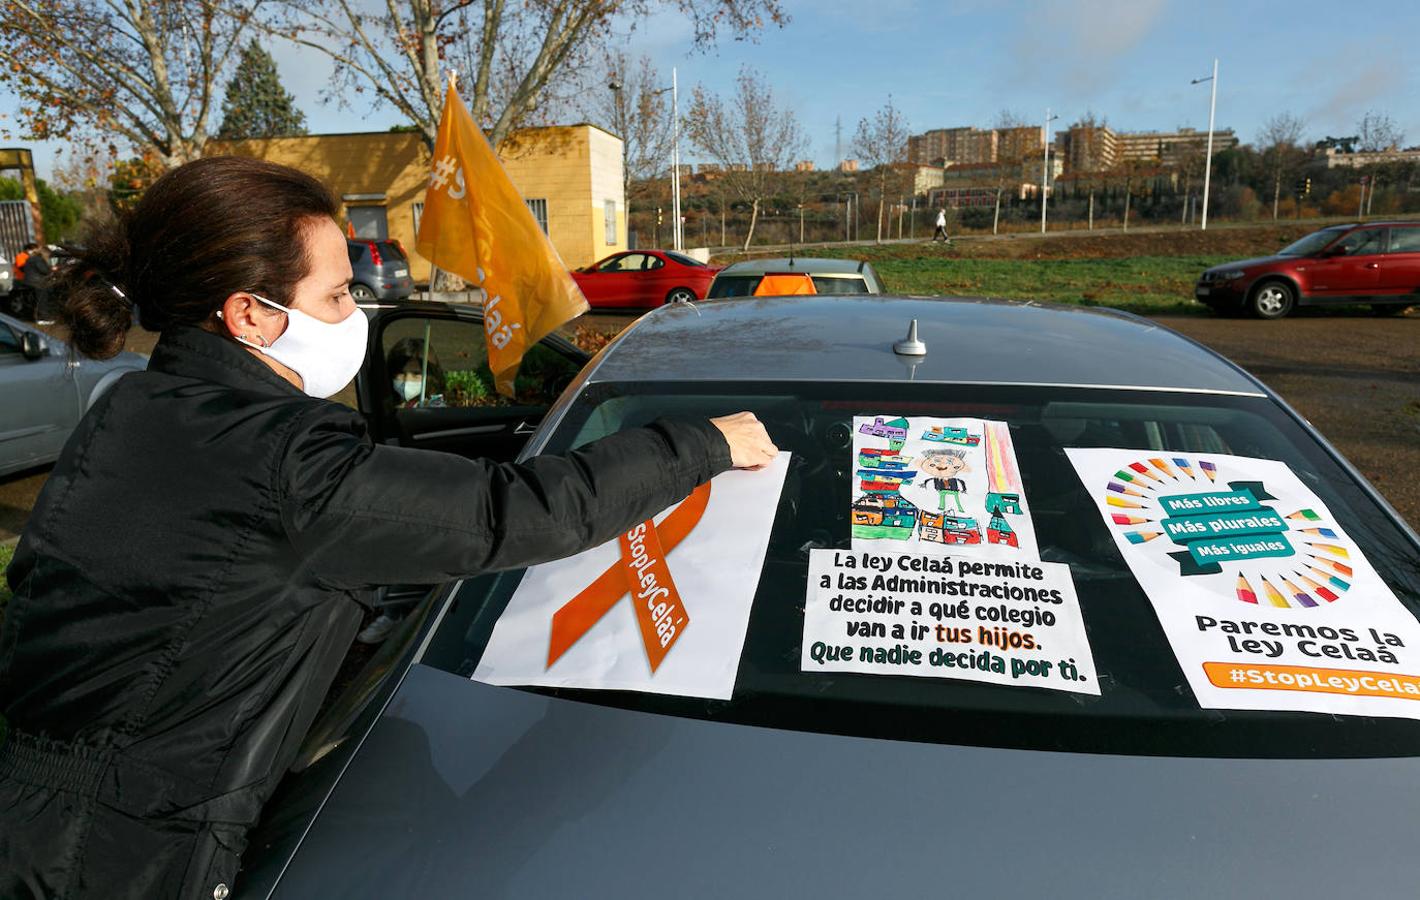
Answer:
x=910 y=345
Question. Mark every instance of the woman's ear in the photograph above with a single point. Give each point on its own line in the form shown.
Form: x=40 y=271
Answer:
x=243 y=318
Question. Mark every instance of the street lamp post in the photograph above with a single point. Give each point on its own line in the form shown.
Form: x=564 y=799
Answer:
x=1045 y=168
x=1208 y=161
x=677 y=232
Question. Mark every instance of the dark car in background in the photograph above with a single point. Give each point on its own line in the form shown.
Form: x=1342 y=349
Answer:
x=644 y=279
x=1376 y=263
x=381 y=270
x=422 y=782
x=827 y=276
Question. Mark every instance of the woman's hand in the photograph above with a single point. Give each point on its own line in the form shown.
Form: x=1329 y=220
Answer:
x=750 y=446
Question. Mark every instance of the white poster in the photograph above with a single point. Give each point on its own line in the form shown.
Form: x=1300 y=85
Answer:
x=1014 y=623
x=662 y=609
x=943 y=486
x=1266 y=601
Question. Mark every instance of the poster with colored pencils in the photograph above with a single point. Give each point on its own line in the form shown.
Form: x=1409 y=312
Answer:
x=939 y=486
x=1265 y=599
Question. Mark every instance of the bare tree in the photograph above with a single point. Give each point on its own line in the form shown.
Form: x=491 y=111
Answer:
x=881 y=144
x=140 y=70
x=632 y=103
x=1008 y=163
x=748 y=135
x=1280 y=143
x=512 y=53
x=1378 y=131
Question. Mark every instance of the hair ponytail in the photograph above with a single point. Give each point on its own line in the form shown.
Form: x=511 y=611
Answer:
x=199 y=234
x=96 y=308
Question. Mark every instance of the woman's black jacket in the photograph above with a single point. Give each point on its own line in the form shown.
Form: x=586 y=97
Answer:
x=190 y=580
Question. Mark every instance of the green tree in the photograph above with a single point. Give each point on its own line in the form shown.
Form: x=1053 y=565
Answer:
x=59 y=212
x=256 y=105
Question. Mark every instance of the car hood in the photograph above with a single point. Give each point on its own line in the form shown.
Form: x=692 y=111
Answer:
x=466 y=790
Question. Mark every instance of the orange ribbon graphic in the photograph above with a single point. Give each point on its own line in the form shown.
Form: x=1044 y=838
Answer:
x=642 y=572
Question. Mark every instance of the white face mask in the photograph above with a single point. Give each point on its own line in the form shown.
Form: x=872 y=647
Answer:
x=408 y=388
x=325 y=354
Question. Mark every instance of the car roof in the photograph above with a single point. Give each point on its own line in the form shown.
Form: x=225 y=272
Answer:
x=969 y=341
x=811 y=265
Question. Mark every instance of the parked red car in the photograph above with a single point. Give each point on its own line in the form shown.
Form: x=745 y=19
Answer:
x=644 y=279
x=1376 y=263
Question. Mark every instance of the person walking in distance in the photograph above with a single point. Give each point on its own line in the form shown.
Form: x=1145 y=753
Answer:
x=941 y=232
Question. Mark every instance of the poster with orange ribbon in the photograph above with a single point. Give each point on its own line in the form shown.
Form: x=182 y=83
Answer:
x=661 y=609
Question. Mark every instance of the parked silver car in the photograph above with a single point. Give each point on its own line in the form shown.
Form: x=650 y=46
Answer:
x=422 y=782
x=829 y=276
x=44 y=390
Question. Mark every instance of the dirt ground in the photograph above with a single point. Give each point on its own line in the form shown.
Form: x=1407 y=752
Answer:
x=1356 y=378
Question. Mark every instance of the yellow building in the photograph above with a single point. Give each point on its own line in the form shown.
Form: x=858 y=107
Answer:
x=569 y=175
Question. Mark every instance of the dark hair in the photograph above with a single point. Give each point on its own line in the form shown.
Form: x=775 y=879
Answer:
x=30 y=246
x=202 y=232
x=409 y=350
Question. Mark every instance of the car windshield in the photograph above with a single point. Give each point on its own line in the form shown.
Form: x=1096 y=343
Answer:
x=1312 y=243
x=1145 y=705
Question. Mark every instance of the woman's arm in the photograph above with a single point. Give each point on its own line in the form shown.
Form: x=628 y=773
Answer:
x=361 y=514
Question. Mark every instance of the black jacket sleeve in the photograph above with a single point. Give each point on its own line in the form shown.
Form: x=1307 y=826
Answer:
x=360 y=514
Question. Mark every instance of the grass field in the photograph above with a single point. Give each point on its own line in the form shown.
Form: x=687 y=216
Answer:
x=1142 y=284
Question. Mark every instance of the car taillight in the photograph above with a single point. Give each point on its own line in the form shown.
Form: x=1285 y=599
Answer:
x=374 y=252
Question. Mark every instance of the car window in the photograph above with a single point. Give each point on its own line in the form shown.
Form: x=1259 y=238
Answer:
x=1361 y=242
x=836 y=284
x=433 y=363
x=9 y=341
x=734 y=285
x=626 y=262
x=652 y=262
x=1144 y=706
x=1405 y=240
x=686 y=260
x=390 y=250
x=357 y=252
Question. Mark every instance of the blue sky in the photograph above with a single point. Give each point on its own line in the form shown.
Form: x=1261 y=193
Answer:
x=961 y=63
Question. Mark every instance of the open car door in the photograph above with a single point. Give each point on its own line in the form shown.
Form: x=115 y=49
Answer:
x=426 y=382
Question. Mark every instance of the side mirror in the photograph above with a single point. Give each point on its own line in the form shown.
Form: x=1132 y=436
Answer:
x=33 y=346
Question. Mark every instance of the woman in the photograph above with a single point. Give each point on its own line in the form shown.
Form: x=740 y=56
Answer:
x=417 y=379
x=189 y=579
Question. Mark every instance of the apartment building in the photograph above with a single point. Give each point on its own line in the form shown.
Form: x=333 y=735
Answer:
x=967 y=146
x=1088 y=148
x=1171 y=147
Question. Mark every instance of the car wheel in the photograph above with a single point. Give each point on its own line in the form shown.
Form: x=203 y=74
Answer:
x=362 y=294
x=1272 y=300
x=1388 y=309
x=681 y=295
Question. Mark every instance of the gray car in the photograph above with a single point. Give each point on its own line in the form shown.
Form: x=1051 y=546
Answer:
x=381 y=270
x=829 y=276
x=421 y=782
x=45 y=391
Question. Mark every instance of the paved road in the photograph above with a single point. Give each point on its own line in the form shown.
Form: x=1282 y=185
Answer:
x=1357 y=378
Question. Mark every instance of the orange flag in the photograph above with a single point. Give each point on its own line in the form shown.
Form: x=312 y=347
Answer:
x=476 y=225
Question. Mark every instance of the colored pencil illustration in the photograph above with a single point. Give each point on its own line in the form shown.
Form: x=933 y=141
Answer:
x=1142 y=537
x=1340 y=567
x=1144 y=470
x=1274 y=596
x=1331 y=548
x=1331 y=579
x=1163 y=467
x=1318 y=588
x=1121 y=502
x=1208 y=469
x=1307 y=514
x=1184 y=466
x=1245 y=592
x=1123 y=519
x=1298 y=594
x=1320 y=532
x=1121 y=489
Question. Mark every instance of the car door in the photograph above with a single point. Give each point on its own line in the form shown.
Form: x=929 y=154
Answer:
x=1351 y=266
x=41 y=403
x=1400 y=267
x=455 y=407
x=609 y=282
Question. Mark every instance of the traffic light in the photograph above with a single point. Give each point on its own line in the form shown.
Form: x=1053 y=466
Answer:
x=659 y=219
x=1307 y=188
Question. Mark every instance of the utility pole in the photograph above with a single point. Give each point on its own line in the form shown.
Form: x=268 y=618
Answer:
x=677 y=237
x=1208 y=160
x=1045 y=168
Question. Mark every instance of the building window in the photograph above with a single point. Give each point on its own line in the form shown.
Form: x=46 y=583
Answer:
x=539 y=211
x=369 y=222
x=609 y=207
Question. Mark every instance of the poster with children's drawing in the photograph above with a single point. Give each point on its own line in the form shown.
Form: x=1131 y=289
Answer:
x=940 y=486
